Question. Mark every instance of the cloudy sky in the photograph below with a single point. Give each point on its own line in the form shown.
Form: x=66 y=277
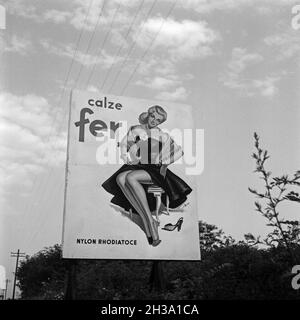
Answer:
x=235 y=61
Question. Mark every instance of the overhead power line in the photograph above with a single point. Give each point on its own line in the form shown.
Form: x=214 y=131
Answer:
x=90 y=41
x=148 y=48
x=34 y=184
x=124 y=61
x=89 y=45
x=122 y=45
x=101 y=47
x=131 y=49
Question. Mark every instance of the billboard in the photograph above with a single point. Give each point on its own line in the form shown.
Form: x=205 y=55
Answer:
x=131 y=174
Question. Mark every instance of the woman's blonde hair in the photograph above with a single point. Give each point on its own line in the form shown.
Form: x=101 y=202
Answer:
x=143 y=118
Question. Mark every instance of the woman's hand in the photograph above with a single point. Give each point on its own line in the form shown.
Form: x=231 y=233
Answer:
x=126 y=158
x=132 y=154
x=163 y=170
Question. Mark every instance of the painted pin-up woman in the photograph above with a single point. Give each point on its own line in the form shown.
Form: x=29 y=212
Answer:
x=147 y=151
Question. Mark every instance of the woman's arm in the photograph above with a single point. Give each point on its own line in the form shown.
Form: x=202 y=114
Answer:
x=170 y=152
x=126 y=143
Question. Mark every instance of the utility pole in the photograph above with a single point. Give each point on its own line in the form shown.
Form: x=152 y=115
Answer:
x=16 y=255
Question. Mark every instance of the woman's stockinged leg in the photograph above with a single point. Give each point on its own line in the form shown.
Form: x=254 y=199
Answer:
x=121 y=179
x=134 y=182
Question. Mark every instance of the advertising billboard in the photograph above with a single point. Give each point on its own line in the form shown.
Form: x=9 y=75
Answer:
x=131 y=173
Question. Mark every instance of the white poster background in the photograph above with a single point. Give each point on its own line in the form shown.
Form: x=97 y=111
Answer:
x=88 y=213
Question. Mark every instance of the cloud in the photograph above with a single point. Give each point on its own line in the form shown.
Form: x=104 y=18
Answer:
x=234 y=77
x=57 y=16
x=157 y=65
x=83 y=58
x=92 y=89
x=264 y=10
x=210 y=6
x=30 y=111
x=22 y=8
x=179 y=94
x=177 y=41
x=19 y=45
x=180 y=39
x=29 y=138
x=118 y=12
x=85 y=18
x=75 y=11
x=266 y=86
x=29 y=11
x=286 y=45
x=241 y=59
x=158 y=83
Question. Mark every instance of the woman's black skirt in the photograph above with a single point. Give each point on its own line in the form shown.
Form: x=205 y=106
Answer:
x=176 y=189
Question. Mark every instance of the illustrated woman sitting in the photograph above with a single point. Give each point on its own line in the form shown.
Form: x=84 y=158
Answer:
x=147 y=151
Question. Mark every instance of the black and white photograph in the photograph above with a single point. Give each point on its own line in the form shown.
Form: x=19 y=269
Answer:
x=149 y=152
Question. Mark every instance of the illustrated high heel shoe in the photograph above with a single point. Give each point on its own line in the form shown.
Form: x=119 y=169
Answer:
x=172 y=227
x=156 y=242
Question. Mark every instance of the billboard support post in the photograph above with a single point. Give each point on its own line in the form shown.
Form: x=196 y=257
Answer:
x=157 y=279
x=70 y=292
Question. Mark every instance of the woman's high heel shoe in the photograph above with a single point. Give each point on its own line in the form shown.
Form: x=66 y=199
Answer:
x=156 y=242
x=172 y=227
